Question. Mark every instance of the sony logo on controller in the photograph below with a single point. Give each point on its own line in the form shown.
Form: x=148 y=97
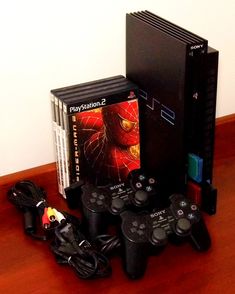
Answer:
x=117 y=186
x=158 y=213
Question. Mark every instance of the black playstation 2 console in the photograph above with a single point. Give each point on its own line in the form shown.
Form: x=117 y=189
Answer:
x=176 y=72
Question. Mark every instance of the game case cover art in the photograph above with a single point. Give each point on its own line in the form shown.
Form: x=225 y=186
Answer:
x=107 y=142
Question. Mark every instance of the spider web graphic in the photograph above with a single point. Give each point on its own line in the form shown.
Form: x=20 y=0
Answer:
x=97 y=144
x=88 y=123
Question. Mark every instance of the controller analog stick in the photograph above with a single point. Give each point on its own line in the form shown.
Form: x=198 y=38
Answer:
x=141 y=197
x=117 y=205
x=159 y=235
x=183 y=226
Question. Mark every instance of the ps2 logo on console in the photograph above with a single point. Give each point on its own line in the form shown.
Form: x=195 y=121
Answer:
x=165 y=112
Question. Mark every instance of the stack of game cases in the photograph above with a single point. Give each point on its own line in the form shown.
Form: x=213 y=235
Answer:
x=96 y=131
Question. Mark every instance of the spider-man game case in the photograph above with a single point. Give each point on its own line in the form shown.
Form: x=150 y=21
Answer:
x=101 y=127
x=70 y=94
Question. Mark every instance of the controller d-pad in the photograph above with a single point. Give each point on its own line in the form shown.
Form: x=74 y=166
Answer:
x=133 y=230
x=97 y=198
x=137 y=227
x=140 y=232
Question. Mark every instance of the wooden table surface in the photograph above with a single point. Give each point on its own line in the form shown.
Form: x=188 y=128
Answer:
x=28 y=266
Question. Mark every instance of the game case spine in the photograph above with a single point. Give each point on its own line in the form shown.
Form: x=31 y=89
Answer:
x=62 y=144
x=73 y=149
x=66 y=147
x=55 y=112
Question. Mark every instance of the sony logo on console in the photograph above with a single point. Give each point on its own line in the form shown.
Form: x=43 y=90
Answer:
x=196 y=46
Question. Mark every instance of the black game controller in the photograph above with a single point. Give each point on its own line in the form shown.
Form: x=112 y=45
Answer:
x=101 y=204
x=143 y=232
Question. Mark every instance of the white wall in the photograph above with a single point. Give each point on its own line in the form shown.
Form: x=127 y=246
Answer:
x=53 y=43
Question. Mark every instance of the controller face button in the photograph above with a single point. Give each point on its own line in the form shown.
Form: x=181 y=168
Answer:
x=151 y=181
x=138 y=185
x=183 y=226
x=191 y=216
x=183 y=203
x=194 y=207
x=180 y=212
x=141 y=197
x=117 y=204
x=158 y=235
x=148 y=188
x=101 y=197
x=92 y=200
x=141 y=177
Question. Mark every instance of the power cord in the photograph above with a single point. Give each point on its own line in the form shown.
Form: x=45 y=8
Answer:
x=71 y=247
x=107 y=244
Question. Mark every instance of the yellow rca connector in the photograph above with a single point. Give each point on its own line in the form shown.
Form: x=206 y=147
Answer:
x=51 y=214
x=58 y=215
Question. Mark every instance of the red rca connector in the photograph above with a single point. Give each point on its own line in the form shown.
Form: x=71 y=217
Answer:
x=45 y=219
x=51 y=214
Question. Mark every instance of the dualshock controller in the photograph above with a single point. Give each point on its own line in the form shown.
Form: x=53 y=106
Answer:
x=143 y=232
x=100 y=205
